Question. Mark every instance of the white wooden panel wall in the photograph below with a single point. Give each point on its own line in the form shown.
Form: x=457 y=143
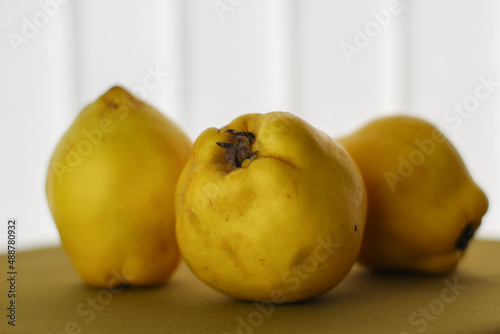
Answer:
x=214 y=60
x=37 y=103
x=135 y=44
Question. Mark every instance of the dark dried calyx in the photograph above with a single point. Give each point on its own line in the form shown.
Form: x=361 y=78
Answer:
x=239 y=148
x=464 y=238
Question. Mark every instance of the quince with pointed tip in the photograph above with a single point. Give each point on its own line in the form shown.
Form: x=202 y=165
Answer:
x=110 y=188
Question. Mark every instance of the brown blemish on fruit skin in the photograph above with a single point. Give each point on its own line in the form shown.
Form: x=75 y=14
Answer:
x=227 y=247
x=123 y=99
x=68 y=148
x=300 y=258
x=238 y=150
x=191 y=216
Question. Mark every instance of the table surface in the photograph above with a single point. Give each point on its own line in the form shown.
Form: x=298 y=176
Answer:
x=51 y=298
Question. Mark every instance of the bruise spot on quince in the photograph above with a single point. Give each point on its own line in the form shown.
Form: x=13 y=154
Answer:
x=239 y=149
x=299 y=260
x=227 y=245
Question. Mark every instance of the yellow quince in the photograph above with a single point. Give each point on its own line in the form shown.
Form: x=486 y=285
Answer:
x=423 y=206
x=110 y=188
x=269 y=209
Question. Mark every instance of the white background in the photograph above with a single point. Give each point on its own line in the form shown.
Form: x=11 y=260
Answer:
x=256 y=56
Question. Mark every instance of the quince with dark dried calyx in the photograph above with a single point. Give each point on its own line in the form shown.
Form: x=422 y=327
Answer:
x=269 y=209
x=423 y=205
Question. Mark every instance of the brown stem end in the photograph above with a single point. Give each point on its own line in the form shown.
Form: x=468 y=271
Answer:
x=464 y=238
x=239 y=148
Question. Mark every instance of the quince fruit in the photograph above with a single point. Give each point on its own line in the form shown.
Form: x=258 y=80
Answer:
x=423 y=206
x=269 y=209
x=110 y=188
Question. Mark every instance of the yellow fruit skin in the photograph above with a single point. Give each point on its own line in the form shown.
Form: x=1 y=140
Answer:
x=254 y=232
x=114 y=208
x=414 y=219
